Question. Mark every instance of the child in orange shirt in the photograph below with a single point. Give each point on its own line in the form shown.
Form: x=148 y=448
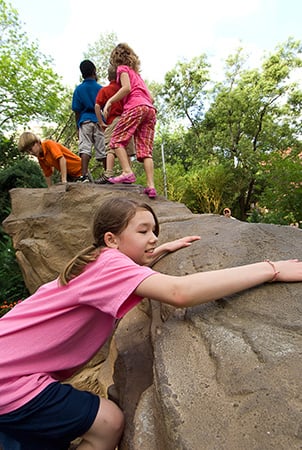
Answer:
x=51 y=155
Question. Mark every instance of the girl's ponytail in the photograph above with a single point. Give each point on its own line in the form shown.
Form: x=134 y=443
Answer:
x=76 y=265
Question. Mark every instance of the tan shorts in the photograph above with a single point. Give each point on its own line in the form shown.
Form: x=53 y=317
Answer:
x=91 y=135
x=130 y=149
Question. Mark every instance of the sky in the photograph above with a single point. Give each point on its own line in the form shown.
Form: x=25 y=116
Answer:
x=161 y=32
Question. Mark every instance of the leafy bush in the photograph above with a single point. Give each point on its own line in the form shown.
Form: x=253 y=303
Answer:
x=21 y=173
x=281 y=198
x=12 y=286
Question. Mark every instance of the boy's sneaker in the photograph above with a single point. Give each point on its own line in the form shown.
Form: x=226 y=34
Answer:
x=83 y=179
x=151 y=192
x=103 y=180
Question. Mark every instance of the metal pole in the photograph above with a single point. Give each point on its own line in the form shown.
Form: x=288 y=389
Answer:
x=164 y=168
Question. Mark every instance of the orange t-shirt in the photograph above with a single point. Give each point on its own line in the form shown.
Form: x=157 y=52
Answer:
x=52 y=152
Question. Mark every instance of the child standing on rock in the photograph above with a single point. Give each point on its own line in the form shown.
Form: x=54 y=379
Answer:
x=90 y=133
x=46 y=338
x=138 y=118
x=111 y=121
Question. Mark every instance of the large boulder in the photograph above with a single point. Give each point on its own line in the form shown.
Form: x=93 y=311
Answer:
x=224 y=375
x=49 y=226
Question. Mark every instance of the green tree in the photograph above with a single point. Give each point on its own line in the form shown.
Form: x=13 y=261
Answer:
x=29 y=88
x=174 y=146
x=15 y=171
x=208 y=188
x=8 y=151
x=252 y=114
x=12 y=287
x=184 y=90
x=23 y=173
x=281 y=199
x=176 y=182
x=65 y=130
x=99 y=52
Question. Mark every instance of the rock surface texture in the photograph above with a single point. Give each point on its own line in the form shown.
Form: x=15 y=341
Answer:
x=222 y=376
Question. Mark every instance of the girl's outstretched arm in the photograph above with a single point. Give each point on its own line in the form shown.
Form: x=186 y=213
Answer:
x=172 y=246
x=202 y=287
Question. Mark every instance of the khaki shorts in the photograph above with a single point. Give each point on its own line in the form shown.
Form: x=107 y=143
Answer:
x=130 y=149
x=91 y=135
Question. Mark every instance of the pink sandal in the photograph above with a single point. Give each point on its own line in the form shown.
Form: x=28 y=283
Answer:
x=128 y=179
x=151 y=192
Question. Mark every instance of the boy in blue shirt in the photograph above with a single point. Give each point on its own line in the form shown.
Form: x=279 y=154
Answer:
x=90 y=132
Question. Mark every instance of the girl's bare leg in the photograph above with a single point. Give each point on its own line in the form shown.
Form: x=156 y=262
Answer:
x=149 y=170
x=124 y=160
x=106 y=430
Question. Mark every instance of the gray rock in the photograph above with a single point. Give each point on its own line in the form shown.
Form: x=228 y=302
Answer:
x=224 y=375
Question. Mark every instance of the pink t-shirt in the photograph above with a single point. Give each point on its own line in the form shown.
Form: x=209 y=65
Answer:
x=58 y=329
x=139 y=94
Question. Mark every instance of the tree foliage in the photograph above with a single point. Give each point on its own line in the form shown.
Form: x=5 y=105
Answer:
x=16 y=170
x=65 y=131
x=208 y=188
x=29 y=88
x=216 y=138
x=23 y=173
x=8 y=151
x=99 y=52
x=12 y=287
x=252 y=116
x=184 y=90
x=281 y=199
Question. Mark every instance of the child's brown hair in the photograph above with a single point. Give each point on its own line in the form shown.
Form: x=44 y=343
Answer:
x=112 y=216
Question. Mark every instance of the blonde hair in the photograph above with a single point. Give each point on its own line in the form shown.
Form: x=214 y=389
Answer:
x=26 y=141
x=123 y=55
x=111 y=73
x=112 y=216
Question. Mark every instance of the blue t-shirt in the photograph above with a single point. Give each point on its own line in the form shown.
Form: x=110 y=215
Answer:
x=83 y=100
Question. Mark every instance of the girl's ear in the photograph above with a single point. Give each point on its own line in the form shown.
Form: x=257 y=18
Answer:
x=110 y=240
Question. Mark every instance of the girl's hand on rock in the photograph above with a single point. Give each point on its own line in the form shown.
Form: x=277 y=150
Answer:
x=288 y=271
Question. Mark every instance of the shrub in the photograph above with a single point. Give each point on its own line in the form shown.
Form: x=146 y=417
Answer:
x=12 y=285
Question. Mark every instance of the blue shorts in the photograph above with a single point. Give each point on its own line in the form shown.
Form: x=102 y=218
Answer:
x=50 y=421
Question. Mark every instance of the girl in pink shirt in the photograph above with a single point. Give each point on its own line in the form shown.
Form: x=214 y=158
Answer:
x=49 y=336
x=138 y=118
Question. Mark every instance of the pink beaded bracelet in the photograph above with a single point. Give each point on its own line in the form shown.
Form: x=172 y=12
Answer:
x=274 y=269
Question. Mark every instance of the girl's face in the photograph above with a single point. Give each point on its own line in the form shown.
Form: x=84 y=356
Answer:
x=138 y=240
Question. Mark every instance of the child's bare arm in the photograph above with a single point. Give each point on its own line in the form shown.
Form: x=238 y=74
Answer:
x=197 y=288
x=98 y=114
x=172 y=246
